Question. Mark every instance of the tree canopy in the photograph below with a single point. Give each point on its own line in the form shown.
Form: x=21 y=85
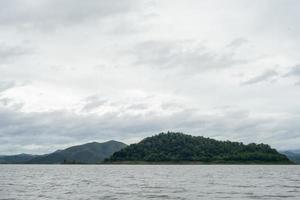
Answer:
x=174 y=147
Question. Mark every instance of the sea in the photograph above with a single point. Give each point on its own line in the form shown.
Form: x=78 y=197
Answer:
x=138 y=182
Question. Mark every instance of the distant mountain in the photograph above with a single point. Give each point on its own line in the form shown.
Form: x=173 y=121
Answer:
x=293 y=155
x=178 y=147
x=87 y=153
x=15 y=159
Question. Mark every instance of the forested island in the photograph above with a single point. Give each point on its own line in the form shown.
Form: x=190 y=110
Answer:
x=181 y=148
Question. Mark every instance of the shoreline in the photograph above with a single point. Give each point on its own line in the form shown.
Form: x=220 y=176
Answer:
x=153 y=163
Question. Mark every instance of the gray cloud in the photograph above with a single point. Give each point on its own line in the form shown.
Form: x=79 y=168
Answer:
x=269 y=75
x=237 y=42
x=185 y=55
x=147 y=54
x=5 y=85
x=92 y=102
x=8 y=84
x=9 y=52
x=272 y=75
x=294 y=72
x=138 y=106
x=282 y=17
x=43 y=131
x=11 y=103
x=52 y=13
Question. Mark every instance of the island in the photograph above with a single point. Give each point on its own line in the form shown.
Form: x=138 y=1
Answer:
x=179 y=148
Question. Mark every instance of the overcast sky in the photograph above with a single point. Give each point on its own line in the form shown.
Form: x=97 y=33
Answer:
x=74 y=71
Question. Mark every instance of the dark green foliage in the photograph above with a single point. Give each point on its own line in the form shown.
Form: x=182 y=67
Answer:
x=173 y=147
x=72 y=162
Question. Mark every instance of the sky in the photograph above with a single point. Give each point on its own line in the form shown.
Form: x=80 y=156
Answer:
x=74 y=71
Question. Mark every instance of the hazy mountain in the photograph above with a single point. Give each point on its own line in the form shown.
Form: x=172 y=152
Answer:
x=15 y=159
x=178 y=147
x=293 y=155
x=87 y=153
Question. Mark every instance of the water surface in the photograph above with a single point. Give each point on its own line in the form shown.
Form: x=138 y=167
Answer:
x=138 y=182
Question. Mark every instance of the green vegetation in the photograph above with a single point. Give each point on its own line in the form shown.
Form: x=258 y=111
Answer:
x=71 y=162
x=178 y=147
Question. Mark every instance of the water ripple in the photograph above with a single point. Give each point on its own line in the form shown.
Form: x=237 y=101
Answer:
x=141 y=182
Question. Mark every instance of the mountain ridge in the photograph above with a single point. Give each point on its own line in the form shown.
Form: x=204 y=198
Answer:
x=293 y=155
x=88 y=153
x=170 y=147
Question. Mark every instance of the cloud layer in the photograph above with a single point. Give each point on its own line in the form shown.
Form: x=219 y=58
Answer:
x=76 y=71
